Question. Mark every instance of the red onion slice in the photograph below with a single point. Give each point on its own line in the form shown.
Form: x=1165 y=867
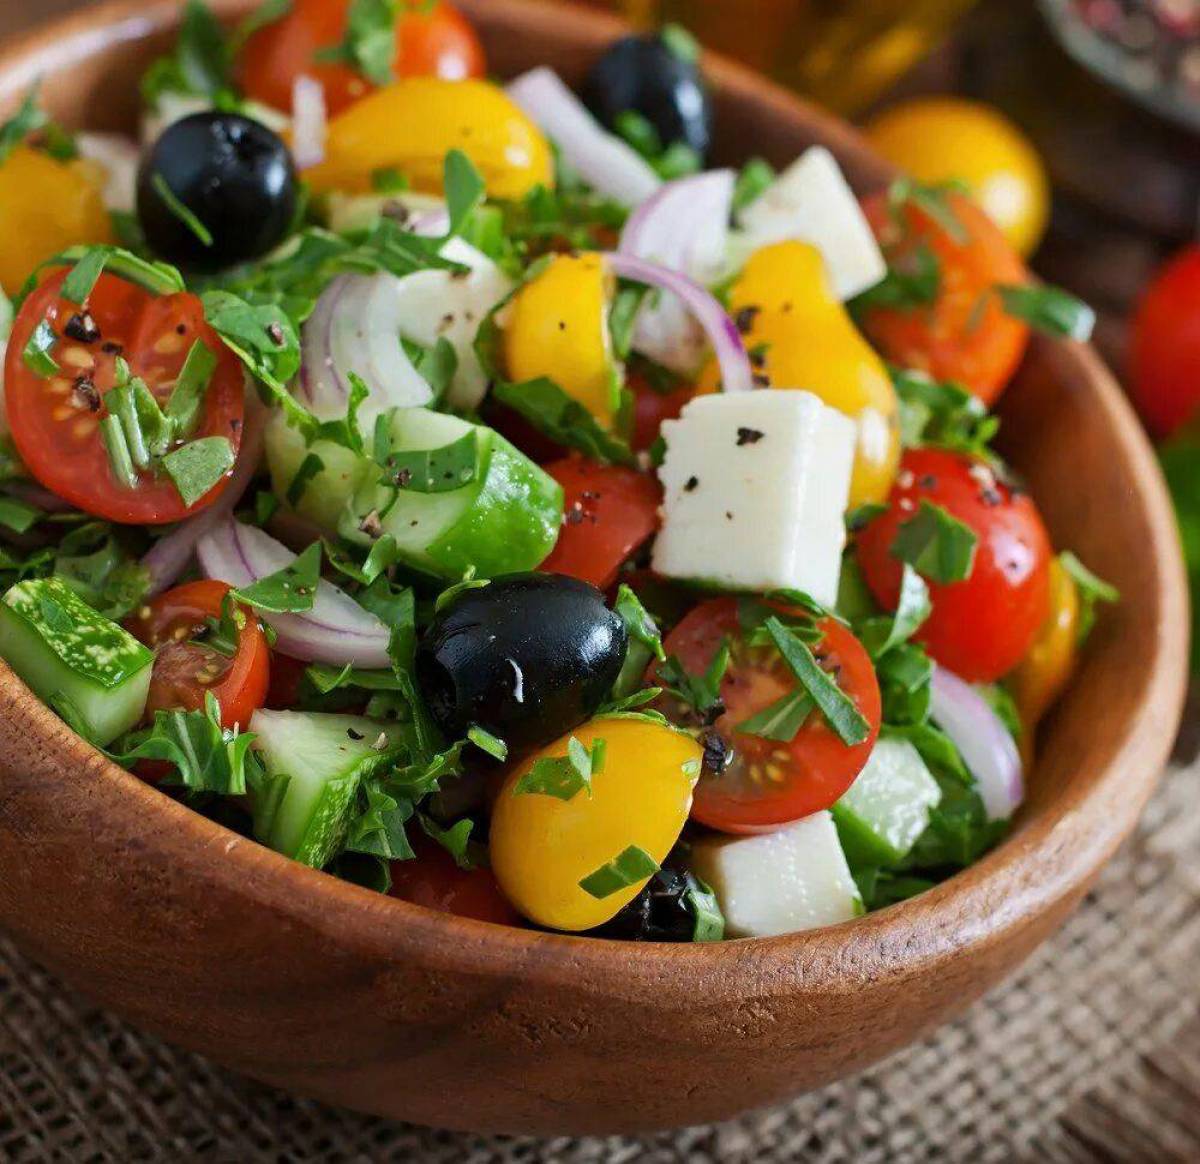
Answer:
x=684 y=227
x=336 y=631
x=986 y=746
x=736 y=373
x=606 y=163
x=170 y=555
x=310 y=124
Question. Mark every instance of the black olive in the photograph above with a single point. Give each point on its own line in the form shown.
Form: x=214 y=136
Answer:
x=653 y=76
x=527 y=657
x=660 y=913
x=233 y=177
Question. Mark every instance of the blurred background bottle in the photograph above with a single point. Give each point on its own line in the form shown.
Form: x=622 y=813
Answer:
x=843 y=53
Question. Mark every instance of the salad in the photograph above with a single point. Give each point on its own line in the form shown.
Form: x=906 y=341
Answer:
x=467 y=490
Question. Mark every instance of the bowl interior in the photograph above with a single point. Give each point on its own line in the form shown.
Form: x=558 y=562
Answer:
x=1066 y=428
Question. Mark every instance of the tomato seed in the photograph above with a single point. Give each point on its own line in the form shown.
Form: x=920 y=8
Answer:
x=84 y=428
x=169 y=344
x=75 y=357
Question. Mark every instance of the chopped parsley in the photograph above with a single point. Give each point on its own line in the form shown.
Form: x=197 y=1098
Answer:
x=937 y=545
x=563 y=777
x=288 y=591
x=629 y=867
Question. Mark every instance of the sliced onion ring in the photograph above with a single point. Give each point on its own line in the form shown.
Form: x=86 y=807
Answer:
x=986 y=745
x=310 y=123
x=736 y=373
x=170 y=555
x=336 y=631
x=684 y=227
x=605 y=162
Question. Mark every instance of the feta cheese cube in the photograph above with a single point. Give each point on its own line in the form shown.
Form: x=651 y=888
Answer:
x=756 y=486
x=778 y=883
x=812 y=201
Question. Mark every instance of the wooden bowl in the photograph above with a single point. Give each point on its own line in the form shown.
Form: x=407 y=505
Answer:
x=322 y=988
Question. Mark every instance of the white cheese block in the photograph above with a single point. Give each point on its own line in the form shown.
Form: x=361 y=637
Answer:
x=3 y=409
x=756 y=486
x=812 y=201
x=778 y=883
x=119 y=156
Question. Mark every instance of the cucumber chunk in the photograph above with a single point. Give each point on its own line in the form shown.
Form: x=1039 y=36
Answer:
x=315 y=763
x=504 y=521
x=886 y=809
x=778 y=883
x=326 y=495
x=86 y=667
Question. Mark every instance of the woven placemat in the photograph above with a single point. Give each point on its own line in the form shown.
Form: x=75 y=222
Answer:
x=77 y=1084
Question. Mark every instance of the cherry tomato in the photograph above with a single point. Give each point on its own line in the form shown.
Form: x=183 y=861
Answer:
x=432 y=40
x=964 y=334
x=611 y=511
x=651 y=408
x=768 y=784
x=435 y=881
x=1166 y=345
x=55 y=421
x=941 y=139
x=982 y=627
x=184 y=671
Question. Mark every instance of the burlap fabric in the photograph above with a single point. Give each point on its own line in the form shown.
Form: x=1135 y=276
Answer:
x=1119 y=981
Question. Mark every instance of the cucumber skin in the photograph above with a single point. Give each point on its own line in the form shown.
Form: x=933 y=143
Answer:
x=512 y=524
x=511 y=517
x=106 y=709
x=886 y=843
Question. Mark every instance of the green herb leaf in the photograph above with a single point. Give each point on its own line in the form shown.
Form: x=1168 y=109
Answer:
x=938 y=546
x=782 y=720
x=704 y=907
x=1050 y=310
x=915 y=280
x=183 y=405
x=1092 y=589
x=378 y=829
x=37 y=351
x=486 y=742
x=625 y=869
x=197 y=466
x=680 y=43
x=563 y=777
x=943 y=415
x=439 y=470
x=178 y=210
x=267 y=13
x=464 y=189
x=157 y=278
x=701 y=693
x=933 y=200
x=912 y=609
x=451 y=593
x=78 y=284
x=437 y=365
x=17 y=515
x=384 y=553
x=28 y=119
x=455 y=839
x=207 y=757
x=200 y=64
x=310 y=467
x=288 y=591
x=836 y=706
x=112 y=433
x=753 y=181
x=370 y=43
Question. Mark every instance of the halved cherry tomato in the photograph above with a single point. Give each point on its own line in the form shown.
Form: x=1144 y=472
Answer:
x=184 y=671
x=965 y=334
x=435 y=881
x=768 y=784
x=651 y=408
x=55 y=421
x=611 y=511
x=432 y=40
x=982 y=627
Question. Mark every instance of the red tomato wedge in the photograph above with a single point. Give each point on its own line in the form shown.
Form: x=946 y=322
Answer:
x=184 y=671
x=982 y=627
x=769 y=783
x=55 y=420
x=964 y=334
x=611 y=512
x=435 y=881
x=651 y=408
x=432 y=40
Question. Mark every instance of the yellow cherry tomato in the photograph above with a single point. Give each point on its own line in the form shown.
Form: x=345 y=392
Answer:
x=411 y=126
x=543 y=847
x=938 y=139
x=46 y=206
x=801 y=336
x=557 y=326
x=1041 y=676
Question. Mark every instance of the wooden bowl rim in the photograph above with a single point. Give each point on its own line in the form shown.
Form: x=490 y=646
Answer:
x=983 y=904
